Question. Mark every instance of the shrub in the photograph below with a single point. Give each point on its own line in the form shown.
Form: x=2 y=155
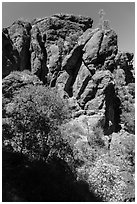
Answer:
x=105 y=179
x=95 y=139
x=35 y=114
x=122 y=150
x=126 y=95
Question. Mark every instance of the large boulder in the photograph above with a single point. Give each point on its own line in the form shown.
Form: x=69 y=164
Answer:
x=92 y=47
x=85 y=37
x=93 y=94
x=101 y=46
x=108 y=45
x=82 y=79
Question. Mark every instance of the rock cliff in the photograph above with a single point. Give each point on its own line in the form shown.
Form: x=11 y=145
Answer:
x=65 y=52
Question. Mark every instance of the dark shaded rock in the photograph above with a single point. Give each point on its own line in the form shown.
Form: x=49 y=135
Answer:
x=71 y=65
x=70 y=62
x=72 y=77
x=38 y=55
x=10 y=56
x=109 y=65
x=112 y=109
x=55 y=62
x=20 y=35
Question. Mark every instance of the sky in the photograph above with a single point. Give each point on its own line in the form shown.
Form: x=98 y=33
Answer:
x=120 y=14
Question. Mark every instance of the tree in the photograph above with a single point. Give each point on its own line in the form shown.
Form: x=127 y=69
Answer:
x=35 y=115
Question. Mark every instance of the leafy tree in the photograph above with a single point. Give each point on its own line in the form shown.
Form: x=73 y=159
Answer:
x=35 y=114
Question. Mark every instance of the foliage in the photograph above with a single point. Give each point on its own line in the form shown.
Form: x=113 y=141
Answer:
x=131 y=89
x=110 y=173
x=126 y=95
x=96 y=137
x=107 y=181
x=35 y=114
x=122 y=150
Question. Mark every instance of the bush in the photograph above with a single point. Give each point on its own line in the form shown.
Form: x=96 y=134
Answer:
x=95 y=139
x=35 y=114
x=105 y=179
x=126 y=95
x=122 y=150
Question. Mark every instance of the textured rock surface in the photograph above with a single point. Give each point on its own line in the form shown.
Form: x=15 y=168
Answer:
x=10 y=57
x=38 y=55
x=61 y=25
x=83 y=77
x=92 y=47
x=19 y=33
x=80 y=62
x=63 y=28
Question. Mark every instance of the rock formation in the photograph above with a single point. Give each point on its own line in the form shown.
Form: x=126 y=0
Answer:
x=65 y=52
x=10 y=56
x=38 y=54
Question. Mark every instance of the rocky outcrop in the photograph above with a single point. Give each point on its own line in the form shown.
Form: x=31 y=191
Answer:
x=83 y=63
x=19 y=33
x=16 y=80
x=83 y=77
x=97 y=49
x=92 y=47
x=61 y=25
x=58 y=28
x=38 y=54
x=10 y=57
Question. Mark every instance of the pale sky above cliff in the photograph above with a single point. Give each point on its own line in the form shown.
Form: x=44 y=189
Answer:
x=120 y=14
